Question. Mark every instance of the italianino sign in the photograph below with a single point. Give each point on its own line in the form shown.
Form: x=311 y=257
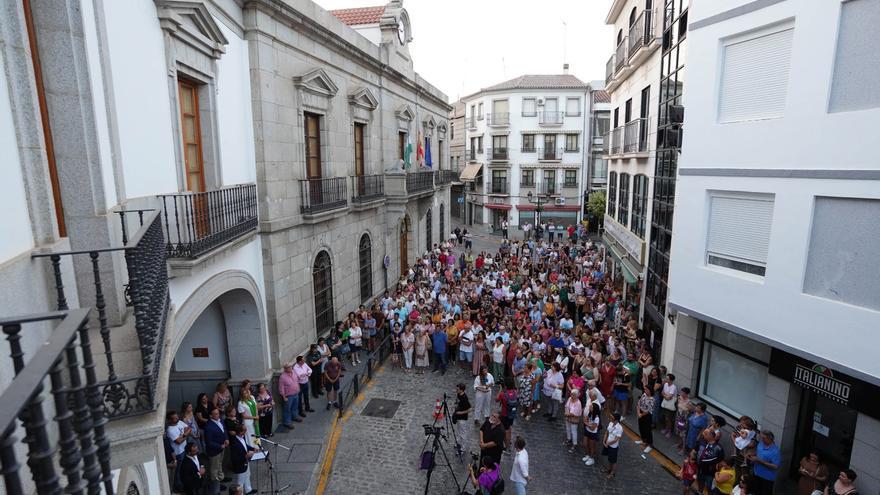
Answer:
x=821 y=379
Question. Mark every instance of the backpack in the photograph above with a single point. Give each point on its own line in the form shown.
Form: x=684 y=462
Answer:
x=498 y=486
x=511 y=399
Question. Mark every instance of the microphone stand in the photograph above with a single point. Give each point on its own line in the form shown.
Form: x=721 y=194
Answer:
x=273 y=480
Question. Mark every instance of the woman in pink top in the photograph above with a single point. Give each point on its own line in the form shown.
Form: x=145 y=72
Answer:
x=573 y=411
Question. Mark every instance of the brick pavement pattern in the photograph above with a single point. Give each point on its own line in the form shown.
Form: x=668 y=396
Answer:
x=376 y=455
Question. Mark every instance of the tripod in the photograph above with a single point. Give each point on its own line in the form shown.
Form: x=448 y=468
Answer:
x=273 y=478
x=449 y=426
x=429 y=463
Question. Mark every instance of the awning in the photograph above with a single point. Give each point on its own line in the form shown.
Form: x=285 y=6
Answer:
x=471 y=171
x=630 y=273
x=549 y=207
x=492 y=206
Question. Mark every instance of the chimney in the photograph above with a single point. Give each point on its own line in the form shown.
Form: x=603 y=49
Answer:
x=565 y=68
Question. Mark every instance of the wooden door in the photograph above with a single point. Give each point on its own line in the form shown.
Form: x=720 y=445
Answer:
x=313 y=157
x=191 y=134
x=404 y=264
x=359 y=158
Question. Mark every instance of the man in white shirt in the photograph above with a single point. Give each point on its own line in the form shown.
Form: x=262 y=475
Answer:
x=519 y=475
x=176 y=431
x=466 y=347
x=613 y=433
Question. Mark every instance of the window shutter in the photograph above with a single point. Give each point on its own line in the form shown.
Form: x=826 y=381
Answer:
x=528 y=106
x=754 y=77
x=572 y=106
x=499 y=106
x=739 y=229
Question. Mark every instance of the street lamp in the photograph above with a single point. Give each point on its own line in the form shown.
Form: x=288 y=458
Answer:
x=537 y=199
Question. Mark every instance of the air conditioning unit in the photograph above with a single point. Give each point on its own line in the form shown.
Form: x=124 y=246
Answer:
x=560 y=201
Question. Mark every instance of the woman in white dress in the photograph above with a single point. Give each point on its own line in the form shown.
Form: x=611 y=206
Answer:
x=247 y=411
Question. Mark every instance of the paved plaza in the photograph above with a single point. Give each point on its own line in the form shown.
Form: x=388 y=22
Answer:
x=378 y=455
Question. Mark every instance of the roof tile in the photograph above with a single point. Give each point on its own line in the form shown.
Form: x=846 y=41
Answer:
x=359 y=16
x=540 y=81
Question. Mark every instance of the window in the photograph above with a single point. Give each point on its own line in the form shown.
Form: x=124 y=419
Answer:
x=627 y=110
x=442 y=222
x=754 y=76
x=612 y=193
x=739 y=231
x=480 y=144
x=600 y=168
x=499 y=181
x=439 y=154
x=856 y=63
x=842 y=229
x=602 y=121
x=571 y=142
x=365 y=255
x=500 y=112
x=527 y=179
x=623 y=201
x=192 y=136
x=499 y=143
x=616 y=115
x=573 y=107
x=571 y=178
x=640 y=205
x=550 y=181
x=528 y=143
x=322 y=279
x=480 y=112
x=428 y=234
x=473 y=112
x=732 y=369
x=401 y=144
x=313 y=145
x=527 y=216
x=359 y=149
x=549 y=146
x=529 y=107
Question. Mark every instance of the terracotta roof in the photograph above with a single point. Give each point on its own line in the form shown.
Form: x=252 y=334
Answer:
x=358 y=16
x=540 y=81
x=601 y=96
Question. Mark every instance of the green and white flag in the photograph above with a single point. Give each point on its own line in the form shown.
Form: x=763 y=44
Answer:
x=407 y=152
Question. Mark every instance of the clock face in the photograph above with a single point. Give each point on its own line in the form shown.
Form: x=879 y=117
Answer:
x=401 y=32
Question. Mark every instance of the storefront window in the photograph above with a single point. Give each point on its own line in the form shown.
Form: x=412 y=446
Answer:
x=526 y=217
x=733 y=372
x=560 y=218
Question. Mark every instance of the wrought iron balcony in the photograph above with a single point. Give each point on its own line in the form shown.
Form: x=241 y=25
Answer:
x=499 y=186
x=196 y=223
x=640 y=32
x=323 y=194
x=419 y=181
x=126 y=387
x=527 y=149
x=606 y=142
x=550 y=118
x=635 y=136
x=547 y=188
x=498 y=119
x=550 y=154
x=609 y=70
x=471 y=122
x=446 y=177
x=617 y=140
x=75 y=420
x=498 y=154
x=621 y=54
x=365 y=188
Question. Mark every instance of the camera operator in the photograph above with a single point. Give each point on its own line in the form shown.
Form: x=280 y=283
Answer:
x=489 y=481
x=462 y=409
x=492 y=438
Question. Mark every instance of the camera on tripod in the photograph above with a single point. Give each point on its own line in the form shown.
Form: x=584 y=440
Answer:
x=433 y=430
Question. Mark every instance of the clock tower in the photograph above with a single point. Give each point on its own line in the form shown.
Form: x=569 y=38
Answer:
x=396 y=31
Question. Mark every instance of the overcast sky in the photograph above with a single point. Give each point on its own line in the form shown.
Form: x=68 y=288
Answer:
x=461 y=46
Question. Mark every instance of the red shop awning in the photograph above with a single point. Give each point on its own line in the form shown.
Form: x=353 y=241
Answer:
x=497 y=207
x=549 y=208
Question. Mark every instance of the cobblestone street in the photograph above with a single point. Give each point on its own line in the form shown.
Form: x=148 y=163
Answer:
x=377 y=455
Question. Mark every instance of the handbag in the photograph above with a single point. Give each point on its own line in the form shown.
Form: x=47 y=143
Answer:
x=557 y=394
x=668 y=404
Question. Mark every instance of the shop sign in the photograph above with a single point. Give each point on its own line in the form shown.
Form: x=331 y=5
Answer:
x=631 y=243
x=849 y=391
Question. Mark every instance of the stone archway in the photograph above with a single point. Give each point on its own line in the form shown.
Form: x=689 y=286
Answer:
x=219 y=334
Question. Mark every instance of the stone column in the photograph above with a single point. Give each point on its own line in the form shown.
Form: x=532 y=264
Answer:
x=781 y=405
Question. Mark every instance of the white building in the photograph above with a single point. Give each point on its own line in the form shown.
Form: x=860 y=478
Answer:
x=774 y=270
x=632 y=79
x=217 y=183
x=601 y=124
x=528 y=135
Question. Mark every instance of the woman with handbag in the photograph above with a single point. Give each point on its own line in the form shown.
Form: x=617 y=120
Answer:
x=573 y=412
x=553 y=383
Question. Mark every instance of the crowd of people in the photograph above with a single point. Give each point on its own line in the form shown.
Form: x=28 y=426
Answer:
x=542 y=330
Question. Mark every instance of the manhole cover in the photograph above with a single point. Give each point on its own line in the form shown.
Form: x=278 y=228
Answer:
x=381 y=408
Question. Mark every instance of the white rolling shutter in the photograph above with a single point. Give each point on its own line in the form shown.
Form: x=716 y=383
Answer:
x=572 y=106
x=500 y=106
x=528 y=106
x=754 y=77
x=739 y=229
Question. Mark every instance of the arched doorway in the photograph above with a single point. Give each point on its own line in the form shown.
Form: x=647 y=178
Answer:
x=404 y=244
x=365 y=256
x=224 y=341
x=429 y=235
x=322 y=278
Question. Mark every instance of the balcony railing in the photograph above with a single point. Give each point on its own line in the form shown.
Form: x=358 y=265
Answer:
x=498 y=119
x=547 y=188
x=635 y=136
x=471 y=154
x=640 y=32
x=366 y=188
x=527 y=183
x=606 y=142
x=446 y=177
x=498 y=154
x=323 y=194
x=499 y=186
x=620 y=55
x=549 y=153
x=617 y=140
x=196 y=223
x=550 y=118
x=419 y=181
x=126 y=387
x=75 y=420
x=471 y=122
x=527 y=149
x=609 y=70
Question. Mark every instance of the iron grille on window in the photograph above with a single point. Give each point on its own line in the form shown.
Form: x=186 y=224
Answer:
x=322 y=277
x=428 y=233
x=365 y=254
